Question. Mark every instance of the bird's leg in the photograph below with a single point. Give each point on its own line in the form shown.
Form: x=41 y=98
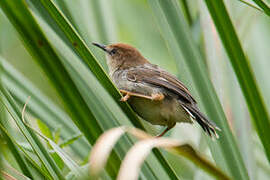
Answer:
x=128 y=94
x=166 y=130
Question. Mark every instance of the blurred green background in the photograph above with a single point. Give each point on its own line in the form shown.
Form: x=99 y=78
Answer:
x=133 y=22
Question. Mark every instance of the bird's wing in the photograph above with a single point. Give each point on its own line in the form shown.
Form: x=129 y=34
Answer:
x=156 y=76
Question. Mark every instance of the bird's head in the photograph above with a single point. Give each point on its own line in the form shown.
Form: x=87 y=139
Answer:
x=122 y=56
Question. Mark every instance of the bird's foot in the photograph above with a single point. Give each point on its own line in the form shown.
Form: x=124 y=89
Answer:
x=125 y=98
x=157 y=97
x=126 y=95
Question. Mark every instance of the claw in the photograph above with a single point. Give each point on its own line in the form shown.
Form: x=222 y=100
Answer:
x=157 y=97
x=125 y=98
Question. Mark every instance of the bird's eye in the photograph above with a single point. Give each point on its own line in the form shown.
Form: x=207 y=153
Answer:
x=113 y=51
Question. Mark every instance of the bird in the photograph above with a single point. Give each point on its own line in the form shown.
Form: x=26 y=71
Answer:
x=153 y=93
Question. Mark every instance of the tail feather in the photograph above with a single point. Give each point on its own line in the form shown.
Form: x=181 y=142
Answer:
x=208 y=126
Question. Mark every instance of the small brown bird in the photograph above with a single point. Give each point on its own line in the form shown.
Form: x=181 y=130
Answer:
x=153 y=93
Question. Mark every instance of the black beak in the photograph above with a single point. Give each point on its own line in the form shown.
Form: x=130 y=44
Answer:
x=101 y=46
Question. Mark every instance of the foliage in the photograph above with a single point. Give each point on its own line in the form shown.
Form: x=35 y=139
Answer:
x=46 y=53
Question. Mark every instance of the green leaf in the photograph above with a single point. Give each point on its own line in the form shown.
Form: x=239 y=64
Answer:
x=15 y=151
x=43 y=53
x=70 y=140
x=87 y=58
x=41 y=106
x=72 y=165
x=176 y=33
x=243 y=71
x=56 y=135
x=68 y=91
x=188 y=152
x=44 y=129
x=263 y=5
x=24 y=156
x=250 y=5
x=38 y=148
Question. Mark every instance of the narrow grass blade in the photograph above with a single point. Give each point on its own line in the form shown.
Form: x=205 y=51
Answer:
x=38 y=102
x=243 y=71
x=15 y=151
x=82 y=50
x=70 y=163
x=231 y=96
x=176 y=32
x=42 y=51
x=41 y=106
x=37 y=170
x=184 y=5
x=250 y=5
x=70 y=141
x=263 y=6
x=37 y=146
x=88 y=59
